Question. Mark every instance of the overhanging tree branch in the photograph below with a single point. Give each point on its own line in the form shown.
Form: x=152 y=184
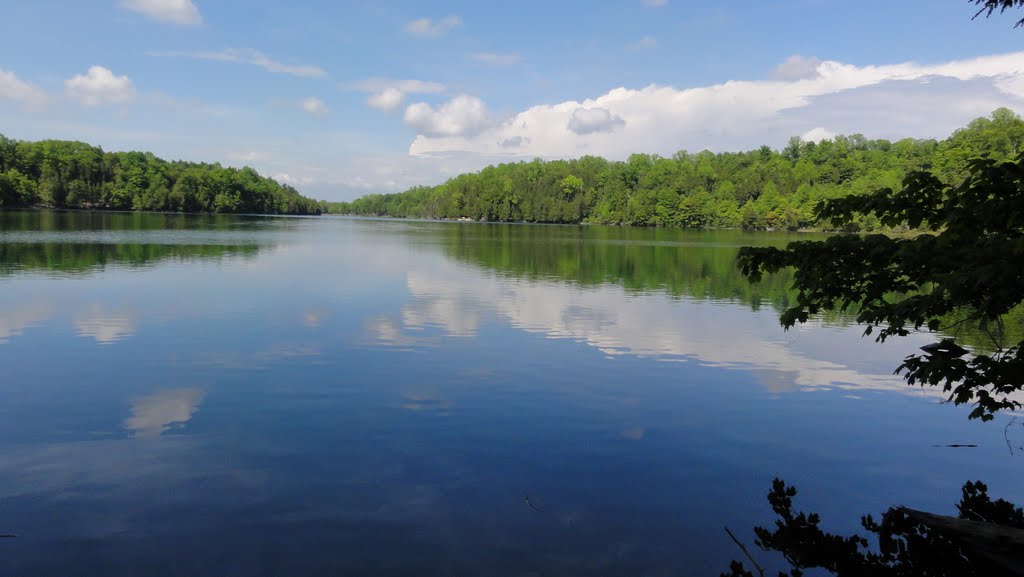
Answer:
x=969 y=257
x=990 y=6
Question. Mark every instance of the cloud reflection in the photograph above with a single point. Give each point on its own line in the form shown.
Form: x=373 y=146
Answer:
x=617 y=323
x=104 y=326
x=154 y=415
x=13 y=323
x=314 y=318
x=423 y=402
x=391 y=333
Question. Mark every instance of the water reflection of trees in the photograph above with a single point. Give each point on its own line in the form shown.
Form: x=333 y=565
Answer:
x=82 y=258
x=67 y=221
x=985 y=538
x=45 y=250
x=691 y=264
x=684 y=264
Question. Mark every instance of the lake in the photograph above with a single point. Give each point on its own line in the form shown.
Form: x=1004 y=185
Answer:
x=200 y=395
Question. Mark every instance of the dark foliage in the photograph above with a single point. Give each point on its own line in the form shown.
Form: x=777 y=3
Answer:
x=908 y=544
x=969 y=262
x=990 y=6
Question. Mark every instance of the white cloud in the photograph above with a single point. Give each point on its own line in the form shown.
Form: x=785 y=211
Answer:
x=497 y=59
x=889 y=101
x=817 y=134
x=17 y=90
x=249 y=56
x=463 y=115
x=387 y=99
x=100 y=86
x=293 y=180
x=409 y=86
x=175 y=11
x=389 y=93
x=247 y=156
x=431 y=28
x=590 y=120
x=797 y=67
x=314 y=106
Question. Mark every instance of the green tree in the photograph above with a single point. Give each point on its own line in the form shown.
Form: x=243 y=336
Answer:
x=76 y=175
x=967 y=265
x=756 y=189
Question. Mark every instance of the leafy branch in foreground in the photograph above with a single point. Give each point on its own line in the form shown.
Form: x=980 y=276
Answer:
x=990 y=6
x=969 y=261
x=986 y=538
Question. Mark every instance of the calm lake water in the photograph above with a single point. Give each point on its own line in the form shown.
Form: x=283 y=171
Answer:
x=324 y=396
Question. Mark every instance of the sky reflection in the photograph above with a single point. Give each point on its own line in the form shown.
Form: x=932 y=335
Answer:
x=156 y=414
x=459 y=301
x=356 y=398
x=26 y=315
x=104 y=326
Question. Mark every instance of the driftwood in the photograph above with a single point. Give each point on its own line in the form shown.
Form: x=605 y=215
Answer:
x=1001 y=545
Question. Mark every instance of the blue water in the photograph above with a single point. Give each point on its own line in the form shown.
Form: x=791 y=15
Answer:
x=325 y=396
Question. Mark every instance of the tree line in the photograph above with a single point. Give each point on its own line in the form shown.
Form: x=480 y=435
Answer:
x=67 y=174
x=758 y=189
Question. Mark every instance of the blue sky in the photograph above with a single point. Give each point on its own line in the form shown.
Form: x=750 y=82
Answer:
x=348 y=97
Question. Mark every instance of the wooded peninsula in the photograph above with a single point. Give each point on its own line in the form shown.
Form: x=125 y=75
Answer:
x=759 y=189
x=67 y=174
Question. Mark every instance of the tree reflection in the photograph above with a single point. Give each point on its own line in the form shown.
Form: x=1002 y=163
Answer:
x=75 y=258
x=986 y=538
x=699 y=265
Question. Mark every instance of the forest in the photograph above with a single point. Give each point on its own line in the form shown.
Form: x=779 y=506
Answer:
x=762 y=189
x=67 y=174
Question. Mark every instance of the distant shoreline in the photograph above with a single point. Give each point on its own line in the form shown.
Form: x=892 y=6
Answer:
x=42 y=208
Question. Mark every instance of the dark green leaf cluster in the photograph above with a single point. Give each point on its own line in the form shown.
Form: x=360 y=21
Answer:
x=969 y=261
x=990 y=6
x=64 y=174
x=908 y=544
x=759 y=189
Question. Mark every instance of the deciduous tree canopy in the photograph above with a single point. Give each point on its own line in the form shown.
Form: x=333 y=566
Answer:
x=64 y=174
x=759 y=189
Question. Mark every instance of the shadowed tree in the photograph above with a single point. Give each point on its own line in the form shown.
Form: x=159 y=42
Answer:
x=967 y=264
x=985 y=539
